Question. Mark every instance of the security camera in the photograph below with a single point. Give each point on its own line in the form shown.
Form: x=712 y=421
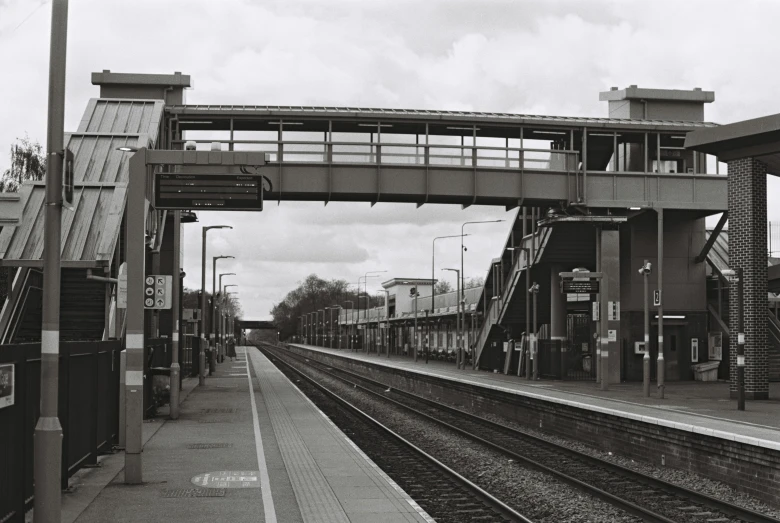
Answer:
x=646 y=268
x=189 y=145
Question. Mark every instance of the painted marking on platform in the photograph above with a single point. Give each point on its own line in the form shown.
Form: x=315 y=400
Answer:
x=228 y=479
x=265 y=482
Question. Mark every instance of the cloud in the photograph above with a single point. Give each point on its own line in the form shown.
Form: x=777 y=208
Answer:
x=534 y=57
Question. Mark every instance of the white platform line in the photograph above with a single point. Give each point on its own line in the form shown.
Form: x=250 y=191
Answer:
x=265 y=481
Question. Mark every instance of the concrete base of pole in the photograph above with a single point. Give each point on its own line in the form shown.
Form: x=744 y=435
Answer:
x=175 y=373
x=133 y=473
x=47 y=441
x=661 y=375
x=646 y=374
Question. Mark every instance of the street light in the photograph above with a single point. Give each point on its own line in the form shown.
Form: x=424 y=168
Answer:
x=212 y=334
x=462 y=250
x=202 y=351
x=352 y=324
x=368 y=301
x=458 y=345
x=534 y=289
x=645 y=272
x=47 y=443
x=433 y=280
x=331 y=323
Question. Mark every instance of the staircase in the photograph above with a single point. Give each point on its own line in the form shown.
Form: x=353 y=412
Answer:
x=497 y=307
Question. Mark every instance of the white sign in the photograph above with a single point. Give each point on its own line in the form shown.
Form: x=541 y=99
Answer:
x=694 y=350
x=612 y=335
x=7 y=378
x=657 y=298
x=613 y=311
x=121 y=289
x=596 y=311
x=228 y=479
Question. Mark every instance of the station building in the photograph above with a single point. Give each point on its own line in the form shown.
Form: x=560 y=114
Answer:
x=602 y=194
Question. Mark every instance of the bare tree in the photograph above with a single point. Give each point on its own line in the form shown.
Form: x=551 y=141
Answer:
x=27 y=163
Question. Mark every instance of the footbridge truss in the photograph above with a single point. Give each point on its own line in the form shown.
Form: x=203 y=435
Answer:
x=384 y=155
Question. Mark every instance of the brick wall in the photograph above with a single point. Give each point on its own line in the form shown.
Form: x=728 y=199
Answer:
x=747 y=468
x=748 y=250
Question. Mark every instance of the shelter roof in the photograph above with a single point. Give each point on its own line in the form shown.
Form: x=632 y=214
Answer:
x=90 y=229
x=422 y=115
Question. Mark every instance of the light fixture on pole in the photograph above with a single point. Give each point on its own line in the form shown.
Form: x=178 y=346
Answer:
x=351 y=323
x=458 y=344
x=339 y=307
x=433 y=280
x=47 y=443
x=534 y=289
x=213 y=333
x=645 y=272
x=203 y=339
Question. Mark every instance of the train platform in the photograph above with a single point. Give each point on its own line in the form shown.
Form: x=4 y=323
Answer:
x=248 y=446
x=697 y=407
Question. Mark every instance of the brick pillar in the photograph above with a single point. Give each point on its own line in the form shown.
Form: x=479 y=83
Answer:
x=748 y=249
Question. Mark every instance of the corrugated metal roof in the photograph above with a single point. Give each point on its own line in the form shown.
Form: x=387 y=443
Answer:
x=90 y=229
x=423 y=114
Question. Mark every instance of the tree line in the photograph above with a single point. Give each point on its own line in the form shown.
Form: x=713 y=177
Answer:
x=315 y=293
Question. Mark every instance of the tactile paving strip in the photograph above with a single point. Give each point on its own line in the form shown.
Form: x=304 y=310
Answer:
x=220 y=410
x=196 y=446
x=194 y=493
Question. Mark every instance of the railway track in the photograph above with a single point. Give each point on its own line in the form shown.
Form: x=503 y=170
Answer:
x=644 y=496
x=441 y=491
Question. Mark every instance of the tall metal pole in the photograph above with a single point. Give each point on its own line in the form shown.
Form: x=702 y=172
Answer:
x=136 y=210
x=646 y=357
x=48 y=431
x=330 y=326
x=661 y=366
x=740 y=342
x=213 y=333
x=176 y=289
x=416 y=337
x=202 y=351
x=527 y=252
x=535 y=345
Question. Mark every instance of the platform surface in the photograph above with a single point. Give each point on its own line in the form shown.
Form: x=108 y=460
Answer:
x=701 y=407
x=277 y=457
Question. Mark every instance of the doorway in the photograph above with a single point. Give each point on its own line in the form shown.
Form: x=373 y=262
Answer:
x=673 y=351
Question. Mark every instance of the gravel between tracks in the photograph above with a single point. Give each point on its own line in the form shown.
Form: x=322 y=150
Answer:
x=537 y=495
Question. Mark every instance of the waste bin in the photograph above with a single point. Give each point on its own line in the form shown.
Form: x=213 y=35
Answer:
x=706 y=371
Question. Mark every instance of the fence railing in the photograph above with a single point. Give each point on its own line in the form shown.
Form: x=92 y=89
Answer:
x=88 y=413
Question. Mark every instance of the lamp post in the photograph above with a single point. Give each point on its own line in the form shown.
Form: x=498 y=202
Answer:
x=645 y=272
x=351 y=325
x=212 y=334
x=221 y=338
x=458 y=344
x=736 y=276
x=227 y=332
x=202 y=351
x=47 y=443
x=463 y=271
x=433 y=278
x=339 y=307
x=534 y=289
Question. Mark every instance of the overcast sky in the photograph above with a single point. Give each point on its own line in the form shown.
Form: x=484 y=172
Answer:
x=542 y=57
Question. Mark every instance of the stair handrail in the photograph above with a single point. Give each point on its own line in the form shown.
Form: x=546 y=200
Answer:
x=540 y=238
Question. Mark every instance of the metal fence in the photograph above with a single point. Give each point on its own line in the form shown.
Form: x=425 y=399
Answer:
x=88 y=413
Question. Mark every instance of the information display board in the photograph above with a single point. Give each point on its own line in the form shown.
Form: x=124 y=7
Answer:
x=580 y=287
x=216 y=192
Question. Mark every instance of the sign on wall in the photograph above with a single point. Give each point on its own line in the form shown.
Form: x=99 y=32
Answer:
x=158 y=291
x=715 y=345
x=6 y=385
